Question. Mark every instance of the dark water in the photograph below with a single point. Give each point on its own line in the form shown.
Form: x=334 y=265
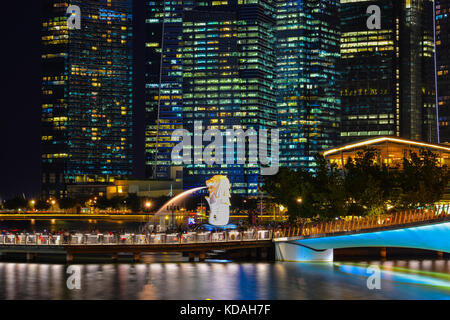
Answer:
x=167 y=277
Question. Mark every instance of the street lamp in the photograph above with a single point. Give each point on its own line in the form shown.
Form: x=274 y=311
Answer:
x=299 y=200
x=33 y=203
x=148 y=205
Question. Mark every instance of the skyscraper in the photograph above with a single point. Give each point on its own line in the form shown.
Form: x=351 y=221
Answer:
x=307 y=54
x=216 y=67
x=387 y=84
x=443 y=66
x=164 y=82
x=86 y=94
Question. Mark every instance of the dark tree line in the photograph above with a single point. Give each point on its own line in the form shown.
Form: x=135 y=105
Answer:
x=363 y=187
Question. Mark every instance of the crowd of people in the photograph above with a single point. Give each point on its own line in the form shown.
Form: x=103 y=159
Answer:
x=148 y=230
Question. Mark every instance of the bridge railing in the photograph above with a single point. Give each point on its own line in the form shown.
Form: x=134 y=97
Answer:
x=134 y=239
x=355 y=224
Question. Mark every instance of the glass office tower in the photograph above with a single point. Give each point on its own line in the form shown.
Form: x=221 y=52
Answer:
x=216 y=67
x=387 y=84
x=307 y=54
x=443 y=66
x=86 y=95
x=164 y=82
x=228 y=80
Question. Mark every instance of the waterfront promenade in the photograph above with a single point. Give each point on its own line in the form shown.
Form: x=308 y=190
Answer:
x=195 y=244
x=198 y=243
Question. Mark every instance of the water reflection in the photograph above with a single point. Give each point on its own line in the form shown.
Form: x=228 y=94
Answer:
x=87 y=225
x=167 y=277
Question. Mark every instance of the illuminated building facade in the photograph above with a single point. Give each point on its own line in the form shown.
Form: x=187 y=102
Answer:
x=228 y=79
x=443 y=66
x=86 y=95
x=164 y=82
x=389 y=151
x=307 y=55
x=387 y=75
x=209 y=61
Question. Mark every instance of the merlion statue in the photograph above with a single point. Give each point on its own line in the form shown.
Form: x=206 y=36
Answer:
x=219 y=200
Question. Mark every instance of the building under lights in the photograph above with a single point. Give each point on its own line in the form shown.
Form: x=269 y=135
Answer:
x=228 y=79
x=443 y=67
x=387 y=76
x=307 y=55
x=216 y=67
x=164 y=82
x=86 y=95
x=389 y=150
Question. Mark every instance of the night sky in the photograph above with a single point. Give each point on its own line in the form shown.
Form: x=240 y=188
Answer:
x=20 y=134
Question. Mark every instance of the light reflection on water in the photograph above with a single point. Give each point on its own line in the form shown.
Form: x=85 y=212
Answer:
x=170 y=277
x=87 y=225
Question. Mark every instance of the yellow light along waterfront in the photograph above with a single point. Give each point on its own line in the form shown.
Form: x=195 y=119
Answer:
x=127 y=216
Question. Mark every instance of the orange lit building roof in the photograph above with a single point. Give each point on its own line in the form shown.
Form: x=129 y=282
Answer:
x=390 y=150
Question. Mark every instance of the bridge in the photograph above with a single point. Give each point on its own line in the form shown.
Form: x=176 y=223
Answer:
x=427 y=228
x=193 y=244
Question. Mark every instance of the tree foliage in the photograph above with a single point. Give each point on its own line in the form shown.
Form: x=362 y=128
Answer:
x=16 y=203
x=42 y=205
x=67 y=203
x=365 y=186
x=422 y=180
